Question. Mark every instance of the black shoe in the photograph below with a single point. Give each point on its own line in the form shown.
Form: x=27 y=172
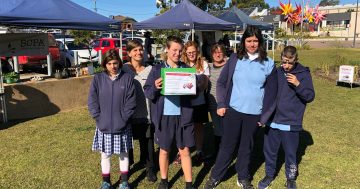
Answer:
x=290 y=184
x=150 y=175
x=198 y=159
x=265 y=182
x=245 y=184
x=211 y=183
x=163 y=185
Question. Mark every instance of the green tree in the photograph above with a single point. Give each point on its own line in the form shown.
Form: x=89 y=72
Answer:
x=82 y=36
x=249 y=3
x=328 y=2
x=210 y=5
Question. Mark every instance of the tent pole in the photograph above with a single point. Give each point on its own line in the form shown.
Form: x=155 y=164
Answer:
x=2 y=96
x=121 y=45
x=192 y=34
x=273 y=45
x=235 y=39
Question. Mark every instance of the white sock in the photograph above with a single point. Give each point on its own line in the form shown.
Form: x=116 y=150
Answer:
x=124 y=162
x=105 y=163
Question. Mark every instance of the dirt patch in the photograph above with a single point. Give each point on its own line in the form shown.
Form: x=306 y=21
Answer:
x=332 y=76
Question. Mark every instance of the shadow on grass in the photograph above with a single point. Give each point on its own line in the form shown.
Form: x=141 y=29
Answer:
x=305 y=140
x=12 y=123
x=348 y=85
x=258 y=158
x=24 y=103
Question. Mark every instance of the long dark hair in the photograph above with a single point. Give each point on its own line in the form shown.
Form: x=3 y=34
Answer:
x=249 y=32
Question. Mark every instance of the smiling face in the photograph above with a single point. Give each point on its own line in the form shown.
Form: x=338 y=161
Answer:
x=191 y=53
x=136 y=54
x=112 y=67
x=252 y=44
x=174 y=52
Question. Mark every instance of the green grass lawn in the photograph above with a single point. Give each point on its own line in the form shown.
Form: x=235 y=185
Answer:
x=55 y=151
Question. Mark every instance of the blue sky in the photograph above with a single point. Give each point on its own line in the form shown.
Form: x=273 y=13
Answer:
x=144 y=9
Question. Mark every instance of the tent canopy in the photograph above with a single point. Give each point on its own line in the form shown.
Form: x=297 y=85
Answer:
x=185 y=16
x=241 y=19
x=62 y=14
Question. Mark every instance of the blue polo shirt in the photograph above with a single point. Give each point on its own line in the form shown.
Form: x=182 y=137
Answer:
x=248 y=85
x=171 y=102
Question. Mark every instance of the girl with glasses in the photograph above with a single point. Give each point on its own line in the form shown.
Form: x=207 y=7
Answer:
x=192 y=57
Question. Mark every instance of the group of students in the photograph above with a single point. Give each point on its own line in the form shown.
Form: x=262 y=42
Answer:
x=242 y=93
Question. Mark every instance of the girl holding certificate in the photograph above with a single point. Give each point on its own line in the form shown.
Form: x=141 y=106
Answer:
x=171 y=115
x=240 y=92
x=191 y=56
x=111 y=103
x=140 y=121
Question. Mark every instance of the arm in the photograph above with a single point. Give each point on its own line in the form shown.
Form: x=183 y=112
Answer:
x=130 y=101
x=221 y=83
x=202 y=82
x=150 y=90
x=269 y=101
x=93 y=99
x=305 y=89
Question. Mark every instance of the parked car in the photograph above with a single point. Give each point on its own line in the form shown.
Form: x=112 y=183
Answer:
x=68 y=49
x=110 y=35
x=36 y=61
x=105 y=44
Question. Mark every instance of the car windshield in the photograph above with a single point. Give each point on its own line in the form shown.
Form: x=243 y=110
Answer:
x=73 y=46
x=117 y=43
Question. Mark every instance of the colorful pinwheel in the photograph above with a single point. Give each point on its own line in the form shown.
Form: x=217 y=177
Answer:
x=286 y=8
x=319 y=16
x=308 y=14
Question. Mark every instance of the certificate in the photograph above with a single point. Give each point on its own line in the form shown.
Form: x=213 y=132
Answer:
x=178 y=81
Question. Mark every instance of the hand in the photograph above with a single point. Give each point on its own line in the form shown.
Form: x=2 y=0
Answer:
x=221 y=111
x=260 y=124
x=158 y=83
x=291 y=78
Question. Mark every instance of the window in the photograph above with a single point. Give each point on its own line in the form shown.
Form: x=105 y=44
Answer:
x=106 y=43
x=96 y=43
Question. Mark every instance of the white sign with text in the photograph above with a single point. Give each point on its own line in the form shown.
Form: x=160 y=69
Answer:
x=346 y=73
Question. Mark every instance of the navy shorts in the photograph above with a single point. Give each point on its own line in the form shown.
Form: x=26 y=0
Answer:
x=170 y=129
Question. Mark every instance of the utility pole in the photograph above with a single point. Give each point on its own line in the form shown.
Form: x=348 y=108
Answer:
x=95 y=9
x=357 y=6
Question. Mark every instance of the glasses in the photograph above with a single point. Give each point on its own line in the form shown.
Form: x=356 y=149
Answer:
x=288 y=61
x=191 y=53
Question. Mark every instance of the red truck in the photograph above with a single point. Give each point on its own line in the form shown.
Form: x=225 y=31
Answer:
x=105 y=44
x=40 y=60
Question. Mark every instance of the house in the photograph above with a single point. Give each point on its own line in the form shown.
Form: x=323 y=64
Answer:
x=126 y=22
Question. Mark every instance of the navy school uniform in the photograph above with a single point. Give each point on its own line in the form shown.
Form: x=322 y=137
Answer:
x=169 y=126
x=284 y=115
x=240 y=89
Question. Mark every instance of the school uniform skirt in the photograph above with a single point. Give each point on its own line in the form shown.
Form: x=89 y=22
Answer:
x=113 y=143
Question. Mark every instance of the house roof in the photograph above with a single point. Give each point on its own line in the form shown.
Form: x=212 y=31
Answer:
x=248 y=11
x=124 y=18
x=338 y=16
